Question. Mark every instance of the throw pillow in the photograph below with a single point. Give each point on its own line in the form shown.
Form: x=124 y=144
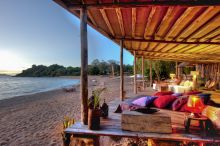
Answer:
x=163 y=93
x=179 y=102
x=163 y=101
x=144 y=101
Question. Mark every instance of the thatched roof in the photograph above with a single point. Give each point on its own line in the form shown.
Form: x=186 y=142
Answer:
x=176 y=30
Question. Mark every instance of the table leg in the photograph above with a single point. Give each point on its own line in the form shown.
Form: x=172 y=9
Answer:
x=66 y=140
x=201 y=125
x=187 y=124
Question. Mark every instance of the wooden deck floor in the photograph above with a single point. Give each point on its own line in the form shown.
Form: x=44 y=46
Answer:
x=112 y=127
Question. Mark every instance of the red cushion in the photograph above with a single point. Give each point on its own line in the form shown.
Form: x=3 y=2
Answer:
x=163 y=93
x=183 y=108
x=179 y=102
x=163 y=101
x=192 y=92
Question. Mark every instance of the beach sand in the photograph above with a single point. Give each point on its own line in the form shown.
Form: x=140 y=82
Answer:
x=37 y=119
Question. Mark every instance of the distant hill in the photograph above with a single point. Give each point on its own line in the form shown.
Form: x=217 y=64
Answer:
x=49 y=71
x=4 y=75
x=95 y=68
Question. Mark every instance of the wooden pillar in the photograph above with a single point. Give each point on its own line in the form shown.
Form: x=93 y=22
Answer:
x=84 y=66
x=121 y=72
x=143 y=72
x=177 y=69
x=151 y=74
x=135 y=74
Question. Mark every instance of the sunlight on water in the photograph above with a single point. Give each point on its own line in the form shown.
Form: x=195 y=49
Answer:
x=17 y=86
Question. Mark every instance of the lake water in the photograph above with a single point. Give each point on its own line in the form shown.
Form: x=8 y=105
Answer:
x=17 y=86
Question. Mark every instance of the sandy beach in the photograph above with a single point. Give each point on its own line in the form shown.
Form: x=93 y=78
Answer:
x=37 y=119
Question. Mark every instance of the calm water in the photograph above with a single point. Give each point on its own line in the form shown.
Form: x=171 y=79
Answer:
x=17 y=86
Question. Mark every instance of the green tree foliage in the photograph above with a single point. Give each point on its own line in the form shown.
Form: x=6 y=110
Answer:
x=50 y=71
x=95 y=68
x=160 y=69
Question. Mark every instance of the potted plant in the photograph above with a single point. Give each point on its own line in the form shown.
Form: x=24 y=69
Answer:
x=94 y=109
x=67 y=122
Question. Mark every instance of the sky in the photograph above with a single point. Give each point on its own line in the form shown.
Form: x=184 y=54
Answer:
x=42 y=32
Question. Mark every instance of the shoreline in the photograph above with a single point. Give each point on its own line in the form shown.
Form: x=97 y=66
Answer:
x=46 y=90
x=37 y=119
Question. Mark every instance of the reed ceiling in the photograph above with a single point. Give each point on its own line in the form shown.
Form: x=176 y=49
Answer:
x=177 y=30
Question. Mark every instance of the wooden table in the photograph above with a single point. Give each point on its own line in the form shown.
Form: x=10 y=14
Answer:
x=112 y=127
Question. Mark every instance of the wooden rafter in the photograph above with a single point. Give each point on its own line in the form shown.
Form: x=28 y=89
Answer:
x=91 y=18
x=134 y=16
x=215 y=19
x=209 y=12
x=185 y=14
x=211 y=35
x=167 y=15
x=164 y=41
x=105 y=17
x=153 y=10
x=179 y=54
x=180 y=59
x=120 y=20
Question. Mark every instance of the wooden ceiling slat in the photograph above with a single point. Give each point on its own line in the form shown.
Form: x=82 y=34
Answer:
x=179 y=47
x=160 y=47
x=197 y=48
x=120 y=20
x=169 y=47
x=193 y=55
x=107 y=21
x=134 y=16
x=150 y=17
x=91 y=18
x=183 y=20
x=211 y=35
x=201 y=20
x=211 y=25
x=165 y=22
x=209 y=50
x=186 y=48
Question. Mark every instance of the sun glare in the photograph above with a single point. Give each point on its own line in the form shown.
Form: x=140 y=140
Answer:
x=10 y=61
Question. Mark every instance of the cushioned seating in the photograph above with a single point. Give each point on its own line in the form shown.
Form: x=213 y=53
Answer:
x=179 y=102
x=163 y=101
x=163 y=93
x=144 y=101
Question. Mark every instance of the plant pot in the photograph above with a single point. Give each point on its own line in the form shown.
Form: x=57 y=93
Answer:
x=94 y=119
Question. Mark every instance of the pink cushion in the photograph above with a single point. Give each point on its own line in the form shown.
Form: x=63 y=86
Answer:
x=163 y=101
x=163 y=93
x=179 y=102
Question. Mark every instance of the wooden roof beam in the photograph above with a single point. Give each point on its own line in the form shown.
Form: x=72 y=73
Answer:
x=178 y=54
x=182 y=60
x=120 y=20
x=105 y=17
x=143 y=4
x=168 y=42
x=149 y=19
x=134 y=16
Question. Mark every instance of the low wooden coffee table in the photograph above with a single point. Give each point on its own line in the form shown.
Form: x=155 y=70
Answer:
x=135 y=121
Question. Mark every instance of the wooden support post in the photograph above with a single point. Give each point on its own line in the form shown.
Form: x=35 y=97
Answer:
x=143 y=72
x=84 y=66
x=121 y=73
x=135 y=74
x=151 y=74
x=177 y=69
x=179 y=72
